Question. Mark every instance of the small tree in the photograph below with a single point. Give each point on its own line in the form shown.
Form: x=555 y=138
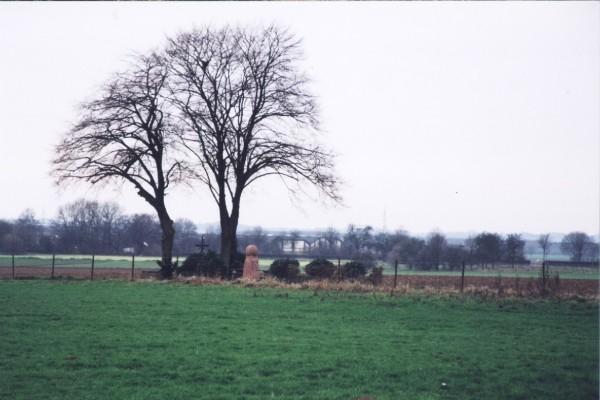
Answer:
x=435 y=250
x=488 y=248
x=27 y=231
x=455 y=256
x=357 y=242
x=514 y=248
x=544 y=243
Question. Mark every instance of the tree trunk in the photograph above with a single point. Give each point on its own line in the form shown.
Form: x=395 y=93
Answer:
x=228 y=244
x=229 y=225
x=168 y=235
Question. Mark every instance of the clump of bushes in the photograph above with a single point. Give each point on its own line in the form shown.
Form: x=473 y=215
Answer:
x=285 y=269
x=376 y=275
x=209 y=264
x=237 y=268
x=320 y=269
x=354 y=270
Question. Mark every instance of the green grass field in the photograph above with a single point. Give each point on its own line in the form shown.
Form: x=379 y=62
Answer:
x=81 y=261
x=102 y=261
x=119 y=340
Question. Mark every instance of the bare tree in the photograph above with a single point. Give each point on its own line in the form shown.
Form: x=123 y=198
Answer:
x=544 y=243
x=471 y=249
x=331 y=241
x=110 y=217
x=514 y=249
x=435 y=249
x=488 y=248
x=576 y=245
x=27 y=231
x=332 y=237
x=357 y=241
x=258 y=236
x=187 y=238
x=248 y=114
x=127 y=135
x=6 y=236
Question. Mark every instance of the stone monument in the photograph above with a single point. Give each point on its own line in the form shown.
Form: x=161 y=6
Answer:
x=251 y=263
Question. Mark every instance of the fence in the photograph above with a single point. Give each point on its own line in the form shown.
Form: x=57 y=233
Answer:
x=53 y=266
x=393 y=276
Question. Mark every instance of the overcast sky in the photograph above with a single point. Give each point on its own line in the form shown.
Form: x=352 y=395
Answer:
x=448 y=116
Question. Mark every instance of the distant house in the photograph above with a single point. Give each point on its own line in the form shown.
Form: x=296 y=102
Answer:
x=309 y=244
x=298 y=246
x=323 y=243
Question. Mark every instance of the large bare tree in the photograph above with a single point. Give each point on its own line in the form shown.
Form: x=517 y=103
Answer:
x=127 y=135
x=248 y=113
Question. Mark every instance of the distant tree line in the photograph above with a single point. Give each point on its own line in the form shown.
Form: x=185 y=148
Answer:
x=363 y=244
x=92 y=227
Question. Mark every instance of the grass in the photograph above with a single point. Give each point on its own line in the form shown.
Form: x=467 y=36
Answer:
x=106 y=340
x=80 y=261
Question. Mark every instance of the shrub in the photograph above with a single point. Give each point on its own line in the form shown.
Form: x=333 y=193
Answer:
x=376 y=275
x=285 y=269
x=237 y=268
x=208 y=264
x=354 y=270
x=320 y=269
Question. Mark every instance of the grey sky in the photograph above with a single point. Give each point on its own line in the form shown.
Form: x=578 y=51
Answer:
x=450 y=116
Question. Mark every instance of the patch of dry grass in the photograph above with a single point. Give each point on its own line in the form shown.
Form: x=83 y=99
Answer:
x=530 y=289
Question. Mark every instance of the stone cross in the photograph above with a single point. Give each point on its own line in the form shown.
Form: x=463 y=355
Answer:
x=202 y=245
x=251 y=263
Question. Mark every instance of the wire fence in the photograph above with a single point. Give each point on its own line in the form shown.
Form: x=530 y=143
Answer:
x=545 y=276
x=53 y=266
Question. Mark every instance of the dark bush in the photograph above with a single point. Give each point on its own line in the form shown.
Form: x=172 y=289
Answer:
x=320 y=269
x=237 y=268
x=354 y=270
x=376 y=275
x=285 y=269
x=208 y=264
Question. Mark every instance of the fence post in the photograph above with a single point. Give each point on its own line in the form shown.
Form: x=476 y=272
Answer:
x=544 y=277
x=93 y=260
x=132 y=265
x=53 y=260
x=339 y=269
x=13 y=266
x=462 y=277
x=395 y=273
